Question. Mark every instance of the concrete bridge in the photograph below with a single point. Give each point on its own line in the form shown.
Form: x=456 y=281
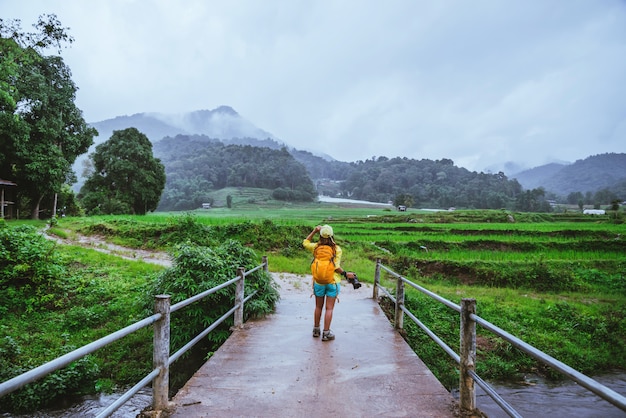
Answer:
x=273 y=367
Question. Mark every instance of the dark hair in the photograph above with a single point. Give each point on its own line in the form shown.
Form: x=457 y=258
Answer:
x=326 y=241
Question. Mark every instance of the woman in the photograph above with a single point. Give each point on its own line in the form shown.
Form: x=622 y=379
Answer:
x=326 y=294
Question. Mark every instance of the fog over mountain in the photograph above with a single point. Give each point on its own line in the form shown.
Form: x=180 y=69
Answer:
x=222 y=123
x=596 y=172
x=480 y=83
x=225 y=124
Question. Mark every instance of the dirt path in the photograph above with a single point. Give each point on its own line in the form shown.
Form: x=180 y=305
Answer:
x=287 y=283
x=98 y=243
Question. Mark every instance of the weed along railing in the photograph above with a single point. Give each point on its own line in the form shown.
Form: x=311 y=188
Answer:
x=466 y=359
x=162 y=360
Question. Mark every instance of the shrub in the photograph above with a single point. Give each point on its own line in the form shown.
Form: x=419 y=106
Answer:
x=28 y=263
x=196 y=269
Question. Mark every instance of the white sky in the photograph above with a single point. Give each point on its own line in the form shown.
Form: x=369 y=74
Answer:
x=480 y=82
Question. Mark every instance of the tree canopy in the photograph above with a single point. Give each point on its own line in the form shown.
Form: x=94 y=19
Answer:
x=42 y=132
x=428 y=183
x=197 y=165
x=127 y=178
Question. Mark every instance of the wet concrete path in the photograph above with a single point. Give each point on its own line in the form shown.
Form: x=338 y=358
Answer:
x=275 y=368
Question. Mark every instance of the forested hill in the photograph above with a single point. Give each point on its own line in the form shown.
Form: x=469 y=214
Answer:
x=196 y=165
x=603 y=171
x=322 y=168
x=223 y=123
x=429 y=183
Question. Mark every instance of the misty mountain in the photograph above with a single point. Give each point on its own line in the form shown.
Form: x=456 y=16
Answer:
x=225 y=125
x=537 y=176
x=597 y=172
x=222 y=123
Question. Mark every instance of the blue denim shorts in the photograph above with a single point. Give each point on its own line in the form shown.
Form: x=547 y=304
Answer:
x=330 y=290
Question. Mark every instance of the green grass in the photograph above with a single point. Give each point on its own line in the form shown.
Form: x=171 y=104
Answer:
x=556 y=280
x=583 y=330
x=100 y=294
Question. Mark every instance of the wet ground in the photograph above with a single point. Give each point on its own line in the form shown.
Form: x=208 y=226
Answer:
x=274 y=367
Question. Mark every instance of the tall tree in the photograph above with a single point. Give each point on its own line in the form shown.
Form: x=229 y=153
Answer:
x=58 y=134
x=127 y=177
x=42 y=132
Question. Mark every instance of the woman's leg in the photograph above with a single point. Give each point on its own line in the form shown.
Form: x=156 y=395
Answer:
x=319 y=305
x=328 y=315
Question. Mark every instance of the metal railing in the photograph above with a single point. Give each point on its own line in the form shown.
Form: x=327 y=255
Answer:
x=467 y=352
x=162 y=360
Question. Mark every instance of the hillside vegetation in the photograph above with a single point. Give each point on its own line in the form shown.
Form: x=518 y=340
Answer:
x=195 y=166
x=198 y=165
x=428 y=183
x=589 y=175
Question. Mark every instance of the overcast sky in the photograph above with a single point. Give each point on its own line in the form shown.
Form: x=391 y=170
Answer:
x=479 y=82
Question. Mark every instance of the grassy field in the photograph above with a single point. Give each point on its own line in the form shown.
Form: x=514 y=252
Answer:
x=556 y=280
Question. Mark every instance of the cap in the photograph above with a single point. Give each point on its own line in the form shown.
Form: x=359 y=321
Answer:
x=326 y=231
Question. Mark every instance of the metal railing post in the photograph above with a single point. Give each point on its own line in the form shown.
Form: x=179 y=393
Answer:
x=239 y=294
x=266 y=266
x=467 y=392
x=399 y=314
x=161 y=353
x=376 y=280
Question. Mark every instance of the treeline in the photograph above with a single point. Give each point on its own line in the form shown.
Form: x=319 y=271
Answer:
x=197 y=165
x=437 y=184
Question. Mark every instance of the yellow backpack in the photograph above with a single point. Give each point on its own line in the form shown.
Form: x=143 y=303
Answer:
x=323 y=264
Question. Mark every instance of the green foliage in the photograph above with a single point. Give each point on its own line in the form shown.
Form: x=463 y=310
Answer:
x=263 y=235
x=403 y=199
x=67 y=204
x=196 y=164
x=283 y=193
x=70 y=379
x=427 y=183
x=127 y=177
x=43 y=130
x=185 y=193
x=562 y=330
x=33 y=279
x=533 y=201
x=49 y=33
x=583 y=326
x=197 y=269
x=28 y=263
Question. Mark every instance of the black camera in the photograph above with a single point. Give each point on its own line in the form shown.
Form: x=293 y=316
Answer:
x=355 y=282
